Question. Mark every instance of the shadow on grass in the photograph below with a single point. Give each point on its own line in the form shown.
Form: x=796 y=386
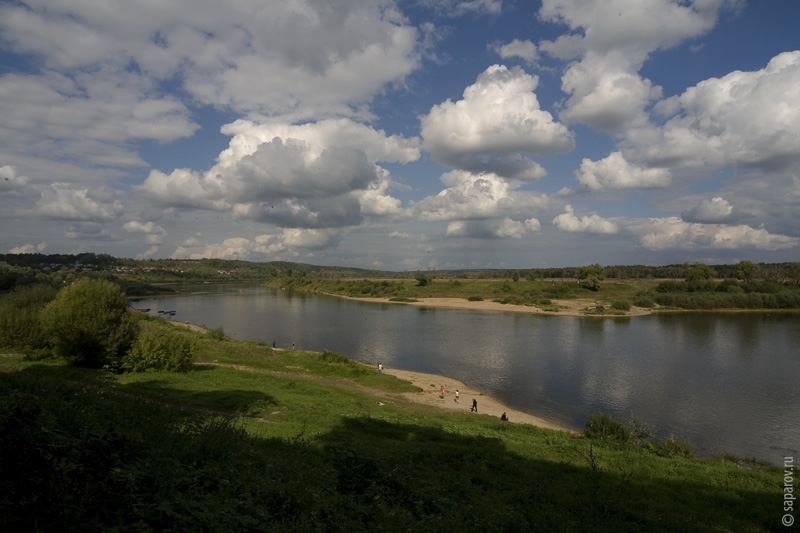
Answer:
x=75 y=457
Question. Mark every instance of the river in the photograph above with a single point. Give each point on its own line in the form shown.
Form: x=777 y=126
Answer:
x=725 y=382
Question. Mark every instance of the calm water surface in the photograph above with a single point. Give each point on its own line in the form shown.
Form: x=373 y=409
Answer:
x=726 y=382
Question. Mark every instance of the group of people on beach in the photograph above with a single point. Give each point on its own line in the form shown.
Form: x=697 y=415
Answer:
x=473 y=409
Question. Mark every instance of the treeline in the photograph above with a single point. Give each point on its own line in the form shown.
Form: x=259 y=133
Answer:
x=28 y=268
x=25 y=269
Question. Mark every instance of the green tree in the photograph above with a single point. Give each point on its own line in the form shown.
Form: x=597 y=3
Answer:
x=90 y=323
x=746 y=270
x=422 y=279
x=591 y=276
x=698 y=272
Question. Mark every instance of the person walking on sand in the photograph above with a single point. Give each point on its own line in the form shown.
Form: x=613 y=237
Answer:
x=441 y=392
x=474 y=407
x=457 y=395
x=380 y=367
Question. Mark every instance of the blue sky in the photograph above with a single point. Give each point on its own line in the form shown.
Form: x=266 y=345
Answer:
x=401 y=135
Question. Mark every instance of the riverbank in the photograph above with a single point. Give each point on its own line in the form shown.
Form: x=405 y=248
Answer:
x=430 y=385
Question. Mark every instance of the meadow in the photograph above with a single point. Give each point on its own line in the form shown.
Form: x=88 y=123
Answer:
x=256 y=439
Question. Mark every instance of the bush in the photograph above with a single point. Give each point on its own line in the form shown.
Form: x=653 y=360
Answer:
x=329 y=356
x=90 y=323
x=621 y=305
x=675 y=447
x=172 y=352
x=217 y=334
x=605 y=426
x=475 y=299
x=20 y=321
x=644 y=300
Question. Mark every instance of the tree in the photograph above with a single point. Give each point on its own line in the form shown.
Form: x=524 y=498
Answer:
x=699 y=272
x=746 y=270
x=422 y=279
x=90 y=323
x=591 y=276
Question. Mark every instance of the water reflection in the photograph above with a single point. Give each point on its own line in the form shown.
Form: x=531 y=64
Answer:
x=724 y=381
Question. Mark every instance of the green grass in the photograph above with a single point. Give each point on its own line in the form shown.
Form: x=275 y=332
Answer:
x=301 y=441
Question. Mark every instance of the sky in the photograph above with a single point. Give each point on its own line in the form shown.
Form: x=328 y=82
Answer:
x=402 y=135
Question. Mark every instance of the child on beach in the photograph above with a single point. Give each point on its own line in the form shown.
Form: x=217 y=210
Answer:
x=457 y=395
x=441 y=392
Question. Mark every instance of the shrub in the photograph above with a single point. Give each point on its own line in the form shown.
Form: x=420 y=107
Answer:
x=171 y=352
x=605 y=426
x=644 y=300
x=675 y=447
x=217 y=334
x=90 y=323
x=20 y=321
x=621 y=305
x=330 y=356
x=475 y=299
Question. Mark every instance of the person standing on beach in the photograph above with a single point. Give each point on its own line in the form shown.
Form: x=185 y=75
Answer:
x=380 y=367
x=457 y=395
x=441 y=392
x=474 y=407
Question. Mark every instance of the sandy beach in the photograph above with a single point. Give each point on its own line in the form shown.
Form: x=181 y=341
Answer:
x=576 y=307
x=487 y=406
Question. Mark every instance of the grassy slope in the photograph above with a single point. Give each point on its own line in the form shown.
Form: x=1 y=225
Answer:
x=312 y=445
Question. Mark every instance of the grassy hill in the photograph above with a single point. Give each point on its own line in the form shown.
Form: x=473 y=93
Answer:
x=253 y=439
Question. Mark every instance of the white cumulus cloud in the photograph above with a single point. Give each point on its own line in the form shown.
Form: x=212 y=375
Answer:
x=569 y=221
x=615 y=172
x=495 y=127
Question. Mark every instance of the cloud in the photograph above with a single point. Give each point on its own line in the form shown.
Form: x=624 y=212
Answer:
x=713 y=211
x=28 y=248
x=501 y=228
x=606 y=93
x=675 y=234
x=568 y=221
x=495 y=126
x=243 y=56
x=61 y=202
x=88 y=115
x=10 y=180
x=477 y=196
x=457 y=8
x=316 y=175
x=614 y=172
x=525 y=50
x=748 y=119
x=284 y=243
x=153 y=233
x=611 y=41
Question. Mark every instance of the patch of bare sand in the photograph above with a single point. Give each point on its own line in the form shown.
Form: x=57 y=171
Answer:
x=577 y=307
x=487 y=406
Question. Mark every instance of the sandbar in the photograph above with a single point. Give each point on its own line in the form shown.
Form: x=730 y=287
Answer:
x=576 y=307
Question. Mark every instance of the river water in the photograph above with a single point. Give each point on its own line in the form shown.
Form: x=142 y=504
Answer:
x=725 y=382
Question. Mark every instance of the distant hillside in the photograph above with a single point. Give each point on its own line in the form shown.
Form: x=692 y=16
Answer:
x=16 y=268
